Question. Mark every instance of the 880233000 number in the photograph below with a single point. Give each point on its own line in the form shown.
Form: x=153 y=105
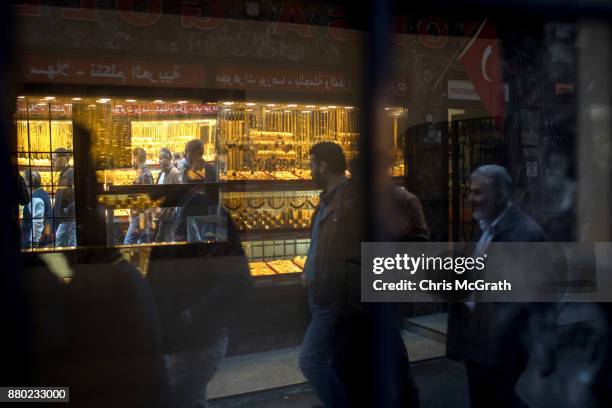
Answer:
x=33 y=394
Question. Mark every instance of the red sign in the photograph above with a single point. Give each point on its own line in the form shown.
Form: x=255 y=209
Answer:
x=481 y=60
x=254 y=78
x=110 y=71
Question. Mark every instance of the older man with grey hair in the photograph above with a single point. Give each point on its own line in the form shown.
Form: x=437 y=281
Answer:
x=496 y=339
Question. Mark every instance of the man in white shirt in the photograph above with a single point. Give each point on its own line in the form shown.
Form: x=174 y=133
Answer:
x=37 y=209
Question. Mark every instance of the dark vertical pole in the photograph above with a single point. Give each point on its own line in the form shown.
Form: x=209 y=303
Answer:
x=12 y=299
x=377 y=71
x=456 y=179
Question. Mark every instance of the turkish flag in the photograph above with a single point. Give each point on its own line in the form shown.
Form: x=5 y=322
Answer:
x=482 y=63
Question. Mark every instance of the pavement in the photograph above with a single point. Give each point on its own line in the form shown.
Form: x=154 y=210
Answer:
x=274 y=377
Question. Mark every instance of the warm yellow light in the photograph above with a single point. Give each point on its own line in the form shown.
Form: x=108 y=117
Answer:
x=292 y=105
x=181 y=102
x=77 y=99
x=49 y=98
x=271 y=104
x=306 y=111
x=228 y=103
x=158 y=101
x=21 y=97
x=332 y=106
x=349 y=107
x=130 y=100
x=103 y=100
x=310 y=106
x=250 y=104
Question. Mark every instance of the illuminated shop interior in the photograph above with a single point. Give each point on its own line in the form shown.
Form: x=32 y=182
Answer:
x=259 y=149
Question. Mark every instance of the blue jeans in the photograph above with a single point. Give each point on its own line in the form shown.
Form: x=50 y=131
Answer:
x=134 y=235
x=205 y=228
x=321 y=342
x=65 y=236
x=190 y=371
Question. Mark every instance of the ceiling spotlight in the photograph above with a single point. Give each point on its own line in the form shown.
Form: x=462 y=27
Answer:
x=228 y=103
x=77 y=99
x=103 y=100
x=21 y=97
x=158 y=101
x=292 y=105
x=332 y=106
x=250 y=104
x=271 y=104
x=310 y=106
x=130 y=100
x=182 y=102
x=49 y=98
x=349 y=107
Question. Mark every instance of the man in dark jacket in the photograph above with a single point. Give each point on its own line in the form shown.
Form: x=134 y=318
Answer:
x=191 y=224
x=64 y=205
x=496 y=339
x=37 y=214
x=334 y=239
x=168 y=174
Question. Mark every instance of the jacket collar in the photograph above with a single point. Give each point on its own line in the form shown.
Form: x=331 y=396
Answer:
x=330 y=199
x=326 y=197
x=508 y=219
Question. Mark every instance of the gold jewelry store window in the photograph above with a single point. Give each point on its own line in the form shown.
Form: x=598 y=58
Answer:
x=251 y=172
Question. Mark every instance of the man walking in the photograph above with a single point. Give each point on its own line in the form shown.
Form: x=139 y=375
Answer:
x=495 y=339
x=167 y=175
x=197 y=206
x=64 y=206
x=332 y=232
x=36 y=214
x=138 y=232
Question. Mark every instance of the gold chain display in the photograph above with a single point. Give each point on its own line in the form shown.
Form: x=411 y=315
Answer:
x=173 y=135
x=266 y=141
x=271 y=211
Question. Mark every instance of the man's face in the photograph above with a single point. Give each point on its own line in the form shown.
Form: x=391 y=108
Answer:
x=59 y=162
x=317 y=172
x=164 y=161
x=192 y=156
x=484 y=198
